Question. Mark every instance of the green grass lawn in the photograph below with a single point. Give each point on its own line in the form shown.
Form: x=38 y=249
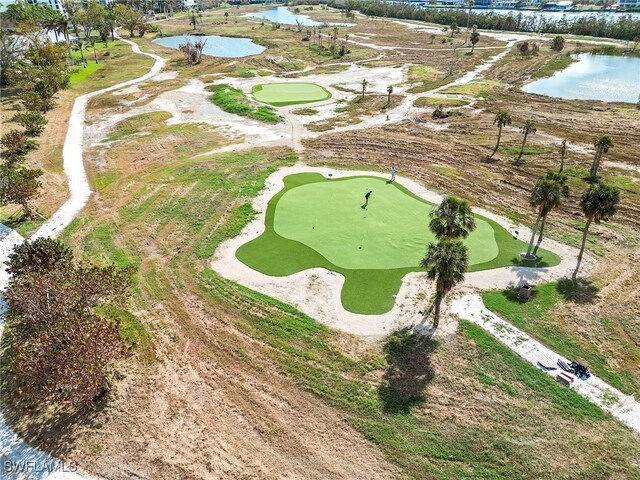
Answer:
x=315 y=222
x=283 y=94
x=233 y=100
x=80 y=73
x=535 y=318
x=468 y=408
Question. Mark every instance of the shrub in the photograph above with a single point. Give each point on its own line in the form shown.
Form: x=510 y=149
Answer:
x=16 y=146
x=33 y=122
x=558 y=43
x=62 y=346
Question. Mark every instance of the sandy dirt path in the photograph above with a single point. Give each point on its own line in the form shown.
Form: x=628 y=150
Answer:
x=624 y=407
x=20 y=460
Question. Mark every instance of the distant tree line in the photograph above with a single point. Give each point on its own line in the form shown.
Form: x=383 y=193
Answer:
x=37 y=69
x=623 y=28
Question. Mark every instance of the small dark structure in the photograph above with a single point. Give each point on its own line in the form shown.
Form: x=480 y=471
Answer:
x=525 y=292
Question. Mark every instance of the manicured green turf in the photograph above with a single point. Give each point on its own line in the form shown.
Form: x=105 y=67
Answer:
x=326 y=226
x=383 y=235
x=282 y=94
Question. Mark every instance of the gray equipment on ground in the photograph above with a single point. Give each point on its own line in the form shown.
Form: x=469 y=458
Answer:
x=525 y=291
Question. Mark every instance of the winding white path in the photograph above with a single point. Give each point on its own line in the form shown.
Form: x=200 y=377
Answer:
x=36 y=464
x=18 y=460
x=624 y=407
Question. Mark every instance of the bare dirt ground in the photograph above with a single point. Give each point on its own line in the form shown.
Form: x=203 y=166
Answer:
x=235 y=386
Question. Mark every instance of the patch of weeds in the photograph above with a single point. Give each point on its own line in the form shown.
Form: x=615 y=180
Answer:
x=609 y=399
x=234 y=101
x=424 y=102
x=305 y=111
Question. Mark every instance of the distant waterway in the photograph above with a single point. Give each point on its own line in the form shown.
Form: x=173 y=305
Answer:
x=553 y=15
x=593 y=77
x=286 y=17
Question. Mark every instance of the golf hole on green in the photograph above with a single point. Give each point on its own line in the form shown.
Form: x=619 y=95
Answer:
x=316 y=222
x=283 y=94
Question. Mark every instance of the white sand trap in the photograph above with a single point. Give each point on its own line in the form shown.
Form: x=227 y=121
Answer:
x=316 y=291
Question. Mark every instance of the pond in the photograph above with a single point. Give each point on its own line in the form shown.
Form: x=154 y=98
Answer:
x=216 y=46
x=593 y=77
x=285 y=16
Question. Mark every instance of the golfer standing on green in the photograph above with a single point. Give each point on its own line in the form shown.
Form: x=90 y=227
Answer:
x=393 y=173
x=366 y=197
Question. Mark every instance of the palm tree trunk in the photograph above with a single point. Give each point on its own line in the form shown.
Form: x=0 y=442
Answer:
x=533 y=234
x=524 y=141
x=584 y=241
x=561 y=163
x=436 y=314
x=26 y=210
x=95 y=55
x=544 y=219
x=389 y=98
x=497 y=143
x=594 y=165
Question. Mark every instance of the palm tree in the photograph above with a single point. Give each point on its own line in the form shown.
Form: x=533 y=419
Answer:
x=474 y=38
x=226 y=17
x=602 y=143
x=364 y=86
x=446 y=262
x=452 y=219
x=454 y=29
x=193 y=20
x=50 y=22
x=389 y=92
x=528 y=127
x=599 y=202
x=546 y=195
x=502 y=119
x=471 y=5
x=563 y=154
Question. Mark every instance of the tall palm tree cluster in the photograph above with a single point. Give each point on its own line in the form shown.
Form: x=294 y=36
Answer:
x=447 y=260
x=503 y=119
x=316 y=37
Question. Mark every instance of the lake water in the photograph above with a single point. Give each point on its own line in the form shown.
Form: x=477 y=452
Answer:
x=593 y=77
x=284 y=16
x=216 y=46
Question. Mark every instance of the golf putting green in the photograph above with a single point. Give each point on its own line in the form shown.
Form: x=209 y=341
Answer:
x=282 y=94
x=315 y=222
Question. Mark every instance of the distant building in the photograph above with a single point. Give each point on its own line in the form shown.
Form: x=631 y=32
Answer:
x=561 y=5
x=629 y=3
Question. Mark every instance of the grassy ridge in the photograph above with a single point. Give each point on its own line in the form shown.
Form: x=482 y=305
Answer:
x=536 y=318
x=233 y=100
x=463 y=409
